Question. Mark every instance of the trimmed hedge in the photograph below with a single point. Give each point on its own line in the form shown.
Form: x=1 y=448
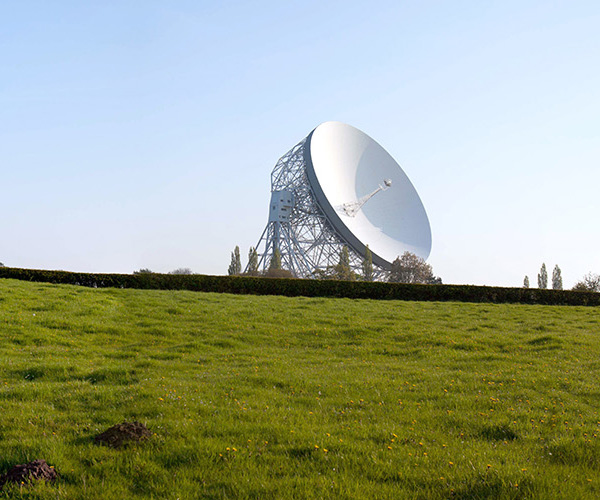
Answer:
x=309 y=288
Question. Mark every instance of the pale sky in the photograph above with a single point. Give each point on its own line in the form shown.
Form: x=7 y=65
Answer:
x=143 y=133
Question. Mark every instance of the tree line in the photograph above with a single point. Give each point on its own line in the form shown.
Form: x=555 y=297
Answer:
x=408 y=268
x=274 y=270
x=589 y=283
x=179 y=270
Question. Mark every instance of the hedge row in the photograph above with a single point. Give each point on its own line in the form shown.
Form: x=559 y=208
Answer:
x=309 y=288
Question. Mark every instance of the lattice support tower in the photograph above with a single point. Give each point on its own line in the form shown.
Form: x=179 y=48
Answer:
x=307 y=242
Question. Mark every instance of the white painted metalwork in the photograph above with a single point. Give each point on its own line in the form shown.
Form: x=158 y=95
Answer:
x=319 y=194
x=351 y=209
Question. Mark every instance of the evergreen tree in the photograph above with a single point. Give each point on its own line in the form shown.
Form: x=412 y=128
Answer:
x=235 y=267
x=252 y=261
x=557 y=279
x=526 y=282
x=276 y=269
x=275 y=260
x=343 y=271
x=367 y=265
x=543 y=277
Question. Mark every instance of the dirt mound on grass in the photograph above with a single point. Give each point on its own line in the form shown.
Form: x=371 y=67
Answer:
x=26 y=473
x=122 y=434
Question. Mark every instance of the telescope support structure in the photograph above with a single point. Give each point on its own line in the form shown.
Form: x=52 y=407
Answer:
x=308 y=244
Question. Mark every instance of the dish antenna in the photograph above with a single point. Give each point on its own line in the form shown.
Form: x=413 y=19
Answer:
x=336 y=188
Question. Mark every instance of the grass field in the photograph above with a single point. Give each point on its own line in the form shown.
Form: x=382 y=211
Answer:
x=274 y=397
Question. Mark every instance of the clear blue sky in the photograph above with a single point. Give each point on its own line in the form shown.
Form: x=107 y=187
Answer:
x=143 y=133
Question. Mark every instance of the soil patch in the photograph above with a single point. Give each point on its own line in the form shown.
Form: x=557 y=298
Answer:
x=26 y=473
x=122 y=434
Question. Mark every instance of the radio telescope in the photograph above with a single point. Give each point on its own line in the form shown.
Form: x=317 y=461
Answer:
x=338 y=187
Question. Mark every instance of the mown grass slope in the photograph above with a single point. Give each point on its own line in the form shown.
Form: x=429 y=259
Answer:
x=274 y=397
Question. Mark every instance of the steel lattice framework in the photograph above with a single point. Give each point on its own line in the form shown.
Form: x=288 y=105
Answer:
x=309 y=245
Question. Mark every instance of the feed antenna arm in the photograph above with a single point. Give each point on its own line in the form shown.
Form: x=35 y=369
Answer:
x=352 y=208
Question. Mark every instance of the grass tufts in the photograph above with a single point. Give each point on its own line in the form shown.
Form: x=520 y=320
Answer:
x=277 y=397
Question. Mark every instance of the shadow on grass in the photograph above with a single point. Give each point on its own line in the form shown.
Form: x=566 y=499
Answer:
x=498 y=433
x=482 y=487
x=576 y=454
x=301 y=452
x=546 y=342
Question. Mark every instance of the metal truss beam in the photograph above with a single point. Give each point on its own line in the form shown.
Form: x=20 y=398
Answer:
x=307 y=242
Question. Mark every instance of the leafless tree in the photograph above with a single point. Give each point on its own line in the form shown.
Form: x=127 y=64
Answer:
x=589 y=283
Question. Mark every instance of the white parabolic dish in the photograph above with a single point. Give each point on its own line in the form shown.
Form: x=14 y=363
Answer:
x=343 y=166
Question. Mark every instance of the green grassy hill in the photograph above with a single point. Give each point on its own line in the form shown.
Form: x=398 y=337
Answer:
x=275 y=397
